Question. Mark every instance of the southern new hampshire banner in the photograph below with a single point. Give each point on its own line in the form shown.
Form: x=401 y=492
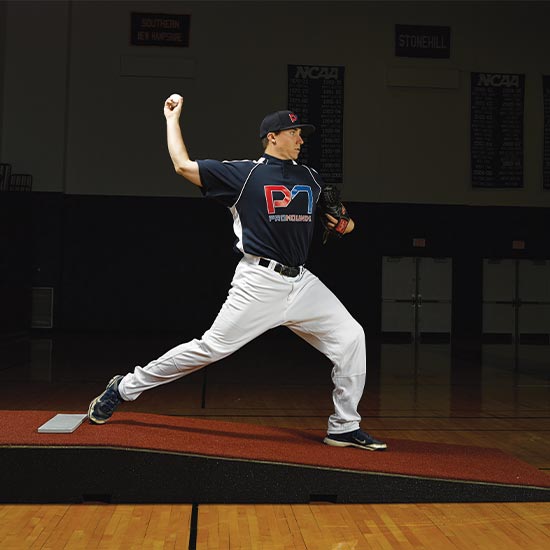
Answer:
x=316 y=95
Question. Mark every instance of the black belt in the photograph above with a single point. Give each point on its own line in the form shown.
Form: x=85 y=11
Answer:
x=280 y=268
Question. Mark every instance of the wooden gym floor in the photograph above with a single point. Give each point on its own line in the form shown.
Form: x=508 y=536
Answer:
x=422 y=392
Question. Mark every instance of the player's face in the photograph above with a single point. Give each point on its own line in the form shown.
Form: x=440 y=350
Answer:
x=289 y=143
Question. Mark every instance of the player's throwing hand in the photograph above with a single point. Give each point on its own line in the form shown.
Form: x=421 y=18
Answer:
x=173 y=105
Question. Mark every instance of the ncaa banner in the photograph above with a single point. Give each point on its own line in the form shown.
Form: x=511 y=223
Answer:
x=496 y=129
x=546 y=137
x=316 y=95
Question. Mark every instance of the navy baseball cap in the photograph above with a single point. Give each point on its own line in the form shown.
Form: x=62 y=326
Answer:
x=283 y=120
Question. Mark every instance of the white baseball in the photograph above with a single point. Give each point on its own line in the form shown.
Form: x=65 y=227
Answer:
x=173 y=100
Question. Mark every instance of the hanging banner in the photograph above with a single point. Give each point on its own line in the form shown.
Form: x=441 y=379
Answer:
x=316 y=95
x=422 y=41
x=496 y=130
x=159 y=29
x=546 y=138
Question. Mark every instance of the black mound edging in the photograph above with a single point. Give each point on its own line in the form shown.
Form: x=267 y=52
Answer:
x=92 y=474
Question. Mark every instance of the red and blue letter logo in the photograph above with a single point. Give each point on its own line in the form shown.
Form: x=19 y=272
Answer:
x=278 y=196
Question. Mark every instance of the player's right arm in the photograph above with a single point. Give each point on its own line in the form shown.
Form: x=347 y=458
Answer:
x=183 y=165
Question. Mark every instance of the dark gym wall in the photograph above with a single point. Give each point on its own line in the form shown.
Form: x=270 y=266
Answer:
x=128 y=245
x=142 y=263
x=82 y=106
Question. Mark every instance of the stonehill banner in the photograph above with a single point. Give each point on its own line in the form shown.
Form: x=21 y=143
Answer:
x=316 y=95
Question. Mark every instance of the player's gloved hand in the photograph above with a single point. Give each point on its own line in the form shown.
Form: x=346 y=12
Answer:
x=334 y=216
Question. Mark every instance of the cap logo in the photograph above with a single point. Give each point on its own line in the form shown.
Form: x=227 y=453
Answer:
x=293 y=117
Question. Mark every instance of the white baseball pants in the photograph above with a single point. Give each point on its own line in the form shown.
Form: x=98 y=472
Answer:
x=261 y=299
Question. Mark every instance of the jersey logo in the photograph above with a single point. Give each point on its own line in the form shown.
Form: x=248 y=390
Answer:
x=284 y=196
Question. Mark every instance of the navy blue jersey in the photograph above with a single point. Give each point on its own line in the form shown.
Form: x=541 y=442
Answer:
x=273 y=203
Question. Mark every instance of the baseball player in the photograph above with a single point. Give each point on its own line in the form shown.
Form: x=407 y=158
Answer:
x=274 y=202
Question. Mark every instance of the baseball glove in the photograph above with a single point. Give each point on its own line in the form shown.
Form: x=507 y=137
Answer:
x=330 y=203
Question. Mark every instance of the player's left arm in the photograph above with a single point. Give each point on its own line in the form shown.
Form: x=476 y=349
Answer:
x=335 y=217
x=332 y=222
